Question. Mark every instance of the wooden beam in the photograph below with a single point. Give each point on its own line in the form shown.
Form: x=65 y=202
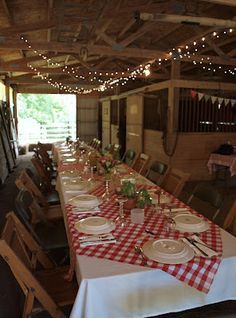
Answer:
x=7 y=12
x=126 y=27
x=141 y=31
x=183 y=19
x=223 y=2
x=25 y=60
x=204 y=85
x=213 y=59
x=102 y=29
x=17 y=29
x=49 y=13
x=101 y=73
x=76 y=47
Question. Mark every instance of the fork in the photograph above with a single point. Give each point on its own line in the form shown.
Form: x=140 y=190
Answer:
x=194 y=243
x=138 y=250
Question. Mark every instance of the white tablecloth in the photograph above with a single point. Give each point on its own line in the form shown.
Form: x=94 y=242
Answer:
x=110 y=289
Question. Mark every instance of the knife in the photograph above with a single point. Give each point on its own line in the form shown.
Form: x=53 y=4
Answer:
x=84 y=243
x=197 y=247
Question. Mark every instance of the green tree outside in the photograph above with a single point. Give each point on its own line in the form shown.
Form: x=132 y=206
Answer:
x=45 y=109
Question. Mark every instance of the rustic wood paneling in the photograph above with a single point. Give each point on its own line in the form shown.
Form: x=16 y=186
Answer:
x=134 y=123
x=87 y=118
x=192 y=150
x=114 y=131
x=106 y=121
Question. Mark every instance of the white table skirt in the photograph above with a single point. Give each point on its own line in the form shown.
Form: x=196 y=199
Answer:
x=111 y=289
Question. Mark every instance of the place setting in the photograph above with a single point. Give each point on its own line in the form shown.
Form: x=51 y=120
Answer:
x=76 y=184
x=168 y=251
x=85 y=203
x=98 y=229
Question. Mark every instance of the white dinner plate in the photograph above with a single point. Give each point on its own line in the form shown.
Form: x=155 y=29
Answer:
x=75 y=184
x=190 y=223
x=85 y=201
x=186 y=255
x=66 y=155
x=70 y=174
x=169 y=248
x=95 y=225
x=69 y=160
x=65 y=150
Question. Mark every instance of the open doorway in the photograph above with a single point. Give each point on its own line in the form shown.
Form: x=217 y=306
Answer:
x=45 y=117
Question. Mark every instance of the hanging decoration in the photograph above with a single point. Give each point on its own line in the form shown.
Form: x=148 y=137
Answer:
x=206 y=97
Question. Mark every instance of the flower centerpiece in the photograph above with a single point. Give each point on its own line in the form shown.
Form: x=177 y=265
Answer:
x=106 y=163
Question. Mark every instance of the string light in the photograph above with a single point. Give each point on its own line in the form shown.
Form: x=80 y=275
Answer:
x=121 y=78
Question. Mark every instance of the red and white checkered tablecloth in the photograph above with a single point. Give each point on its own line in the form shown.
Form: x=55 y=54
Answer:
x=198 y=273
x=222 y=160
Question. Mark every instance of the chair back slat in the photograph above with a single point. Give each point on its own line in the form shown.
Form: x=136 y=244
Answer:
x=25 y=182
x=174 y=181
x=156 y=172
x=141 y=163
x=230 y=219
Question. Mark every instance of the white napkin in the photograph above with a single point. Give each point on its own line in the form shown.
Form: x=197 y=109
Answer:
x=78 y=210
x=210 y=252
x=96 y=240
x=179 y=210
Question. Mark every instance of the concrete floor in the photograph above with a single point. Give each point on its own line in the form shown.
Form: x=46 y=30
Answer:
x=11 y=298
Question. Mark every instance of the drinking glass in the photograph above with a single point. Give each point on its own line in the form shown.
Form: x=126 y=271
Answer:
x=106 y=195
x=121 y=218
x=169 y=222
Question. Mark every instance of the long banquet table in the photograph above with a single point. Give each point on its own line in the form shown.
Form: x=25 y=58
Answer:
x=118 y=287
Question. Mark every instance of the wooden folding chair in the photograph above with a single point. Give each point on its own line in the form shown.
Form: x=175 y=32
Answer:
x=206 y=199
x=43 y=173
x=156 y=172
x=43 y=154
x=229 y=223
x=35 y=272
x=174 y=181
x=24 y=181
x=141 y=163
x=129 y=157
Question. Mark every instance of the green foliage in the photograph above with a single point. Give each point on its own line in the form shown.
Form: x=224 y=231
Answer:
x=128 y=189
x=143 y=199
x=43 y=108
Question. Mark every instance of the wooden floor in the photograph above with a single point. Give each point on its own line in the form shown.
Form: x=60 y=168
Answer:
x=11 y=296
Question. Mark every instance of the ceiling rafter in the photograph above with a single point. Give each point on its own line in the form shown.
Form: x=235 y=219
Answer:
x=76 y=47
x=223 y=2
x=18 y=29
x=192 y=20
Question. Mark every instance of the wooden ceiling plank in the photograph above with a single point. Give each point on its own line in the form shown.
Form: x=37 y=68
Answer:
x=17 y=29
x=108 y=40
x=223 y=2
x=134 y=36
x=213 y=59
x=102 y=73
x=7 y=11
x=68 y=47
x=126 y=27
x=102 y=29
x=49 y=14
x=215 y=47
x=192 y=20
x=25 y=60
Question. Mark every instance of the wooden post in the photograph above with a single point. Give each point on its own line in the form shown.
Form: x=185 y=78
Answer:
x=173 y=107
